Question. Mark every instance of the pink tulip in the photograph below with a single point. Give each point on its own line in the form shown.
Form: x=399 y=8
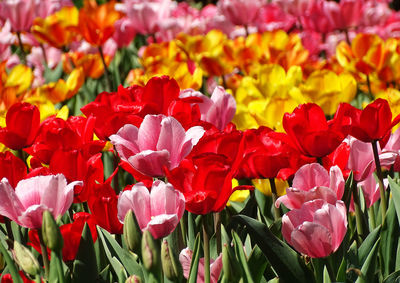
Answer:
x=185 y=258
x=317 y=228
x=295 y=7
x=361 y=159
x=371 y=190
x=241 y=12
x=146 y=15
x=159 y=142
x=124 y=32
x=20 y=13
x=158 y=211
x=217 y=110
x=32 y=196
x=311 y=182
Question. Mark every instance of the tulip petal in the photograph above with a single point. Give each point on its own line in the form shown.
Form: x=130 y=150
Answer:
x=150 y=162
x=149 y=132
x=125 y=141
x=310 y=176
x=10 y=205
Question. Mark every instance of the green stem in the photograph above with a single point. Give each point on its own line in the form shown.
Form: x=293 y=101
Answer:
x=206 y=243
x=59 y=266
x=357 y=208
x=217 y=221
x=277 y=211
x=106 y=72
x=183 y=230
x=45 y=256
x=369 y=88
x=329 y=268
x=21 y=46
x=9 y=229
x=371 y=214
x=380 y=180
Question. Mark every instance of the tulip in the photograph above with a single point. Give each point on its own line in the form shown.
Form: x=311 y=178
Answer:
x=205 y=181
x=310 y=132
x=241 y=12
x=22 y=120
x=158 y=211
x=361 y=159
x=33 y=196
x=159 y=142
x=20 y=13
x=12 y=168
x=371 y=124
x=312 y=181
x=317 y=228
x=217 y=110
x=185 y=257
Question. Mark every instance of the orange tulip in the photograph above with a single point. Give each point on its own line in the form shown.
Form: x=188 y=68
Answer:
x=58 y=29
x=90 y=63
x=96 y=23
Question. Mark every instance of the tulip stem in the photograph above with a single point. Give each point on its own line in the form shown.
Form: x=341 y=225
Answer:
x=357 y=208
x=277 y=211
x=329 y=268
x=10 y=234
x=45 y=256
x=217 y=223
x=183 y=231
x=60 y=269
x=369 y=88
x=380 y=180
x=106 y=72
x=21 y=46
x=371 y=213
x=206 y=246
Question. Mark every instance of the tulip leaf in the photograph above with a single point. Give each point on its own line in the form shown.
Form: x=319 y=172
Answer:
x=389 y=238
x=341 y=273
x=395 y=189
x=85 y=265
x=285 y=261
x=10 y=264
x=241 y=257
x=194 y=265
x=365 y=248
x=369 y=267
x=327 y=279
x=257 y=263
x=53 y=75
x=113 y=249
x=393 y=278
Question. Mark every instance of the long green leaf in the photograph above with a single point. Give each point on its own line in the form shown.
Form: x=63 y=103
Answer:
x=393 y=278
x=285 y=261
x=195 y=261
x=369 y=266
x=241 y=257
x=85 y=265
x=113 y=249
x=257 y=263
x=10 y=264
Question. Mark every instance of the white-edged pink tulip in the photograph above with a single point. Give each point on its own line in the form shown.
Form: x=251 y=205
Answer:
x=312 y=181
x=317 y=228
x=160 y=142
x=32 y=196
x=241 y=12
x=158 y=211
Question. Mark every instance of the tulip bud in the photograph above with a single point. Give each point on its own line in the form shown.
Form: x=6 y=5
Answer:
x=51 y=232
x=170 y=265
x=132 y=233
x=133 y=279
x=25 y=259
x=150 y=252
x=230 y=265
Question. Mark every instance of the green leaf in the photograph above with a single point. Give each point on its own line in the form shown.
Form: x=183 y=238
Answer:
x=285 y=261
x=241 y=257
x=53 y=75
x=395 y=189
x=257 y=263
x=341 y=274
x=326 y=276
x=365 y=248
x=393 y=278
x=85 y=265
x=113 y=249
x=194 y=265
x=369 y=267
x=390 y=233
x=10 y=264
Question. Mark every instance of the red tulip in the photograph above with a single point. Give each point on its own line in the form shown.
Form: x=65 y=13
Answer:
x=130 y=105
x=310 y=132
x=103 y=204
x=12 y=168
x=23 y=121
x=205 y=181
x=373 y=123
x=71 y=234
